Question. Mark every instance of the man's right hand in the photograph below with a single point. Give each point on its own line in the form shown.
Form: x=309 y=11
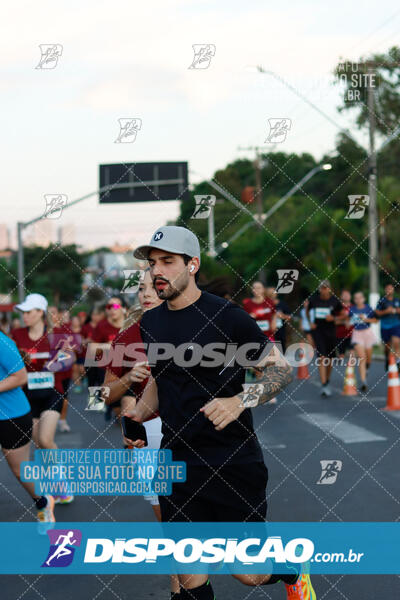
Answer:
x=133 y=444
x=313 y=326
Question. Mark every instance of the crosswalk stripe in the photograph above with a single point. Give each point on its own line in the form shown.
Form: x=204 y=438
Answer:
x=344 y=431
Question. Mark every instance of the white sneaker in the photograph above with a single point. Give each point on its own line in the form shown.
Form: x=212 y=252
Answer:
x=63 y=426
x=326 y=390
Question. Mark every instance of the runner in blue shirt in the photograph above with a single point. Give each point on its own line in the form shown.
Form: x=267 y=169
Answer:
x=16 y=421
x=388 y=311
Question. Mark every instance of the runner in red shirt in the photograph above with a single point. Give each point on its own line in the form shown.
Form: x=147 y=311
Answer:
x=262 y=309
x=44 y=389
x=343 y=328
x=127 y=384
x=94 y=375
x=62 y=329
x=104 y=334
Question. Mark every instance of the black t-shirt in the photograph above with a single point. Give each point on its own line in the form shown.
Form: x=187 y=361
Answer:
x=323 y=308
x=280 y=323
x=183 y=390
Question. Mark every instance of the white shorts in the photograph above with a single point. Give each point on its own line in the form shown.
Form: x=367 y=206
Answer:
x=363 y=337
x=154 y=435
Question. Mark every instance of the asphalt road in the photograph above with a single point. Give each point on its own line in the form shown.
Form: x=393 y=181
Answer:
x=296 y=434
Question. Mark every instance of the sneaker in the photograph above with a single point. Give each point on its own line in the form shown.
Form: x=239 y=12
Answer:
x=63 y=499
x=272 y=401
x=326 y=390
x=45 y=516
x=63 y=426
x=363 y=387
x=301 y=590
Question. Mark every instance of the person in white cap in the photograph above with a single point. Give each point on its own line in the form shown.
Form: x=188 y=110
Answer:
x=44 y=388
x=205 y=414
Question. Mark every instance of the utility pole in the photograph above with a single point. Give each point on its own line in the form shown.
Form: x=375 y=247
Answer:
x=372 y=181
x=373 y=248
x=211 y=234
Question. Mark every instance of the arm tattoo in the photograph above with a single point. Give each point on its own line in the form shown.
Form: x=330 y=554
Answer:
x=275 y=378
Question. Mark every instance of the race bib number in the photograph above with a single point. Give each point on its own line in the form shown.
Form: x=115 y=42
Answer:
x=263 y=325
x=261 y=312
x=322 y=313
x=37 y=355
x=356 y=319
x=41 y=380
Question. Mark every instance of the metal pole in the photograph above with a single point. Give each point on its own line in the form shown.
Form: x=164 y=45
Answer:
x=274 y=208
x=372 y=212
x=257 y=167
x=21 y=274
x=211 y=234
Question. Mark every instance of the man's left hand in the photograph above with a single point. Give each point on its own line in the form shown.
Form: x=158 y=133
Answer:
x=222 y=411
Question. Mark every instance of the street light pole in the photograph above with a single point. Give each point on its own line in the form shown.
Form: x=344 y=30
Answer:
x=20 y=260
x=278 y=204
x=21 y=226
x=211 y=234
x=372 y=210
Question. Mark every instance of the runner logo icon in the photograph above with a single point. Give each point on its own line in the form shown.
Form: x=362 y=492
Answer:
x=63 y=543
x=50 y=53
x=54 y=205
x=287 y=279
x=203 y=54
x=204 y=203
x=128 y=129
x=278 y=130
x=133 y=279
x=357 y=206
x=330 y=471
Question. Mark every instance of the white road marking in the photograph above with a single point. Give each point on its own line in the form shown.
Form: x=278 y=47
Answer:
x=346 y=432
x=69 y=440
x=393 y=413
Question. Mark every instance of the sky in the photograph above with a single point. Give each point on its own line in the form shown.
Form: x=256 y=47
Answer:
x=125 y=59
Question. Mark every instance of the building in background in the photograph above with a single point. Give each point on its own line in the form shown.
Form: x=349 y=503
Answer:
x=66 y=234
x=40 y=233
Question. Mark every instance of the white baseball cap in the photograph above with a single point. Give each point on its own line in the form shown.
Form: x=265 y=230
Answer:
x=177 y=240
x=33 y=301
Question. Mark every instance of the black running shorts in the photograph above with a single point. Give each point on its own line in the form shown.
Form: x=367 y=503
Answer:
x=16 y=432
x=41 y=400
x=231 y=493
x=325 y=343
x=343 y=344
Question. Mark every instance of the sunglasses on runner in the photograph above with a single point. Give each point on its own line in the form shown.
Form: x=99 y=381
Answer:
x=113 y=305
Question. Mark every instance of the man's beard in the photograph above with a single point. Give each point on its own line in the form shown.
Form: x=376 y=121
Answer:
x=173 y=291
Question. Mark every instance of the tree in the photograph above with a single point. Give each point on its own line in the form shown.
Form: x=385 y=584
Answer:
x=56 y=272
x=382 y=73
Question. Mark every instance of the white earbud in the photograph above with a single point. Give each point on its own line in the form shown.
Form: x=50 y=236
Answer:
x=191 y=269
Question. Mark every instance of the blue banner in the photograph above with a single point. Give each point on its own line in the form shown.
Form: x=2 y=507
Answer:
x=87 y=472
x=224 y=548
